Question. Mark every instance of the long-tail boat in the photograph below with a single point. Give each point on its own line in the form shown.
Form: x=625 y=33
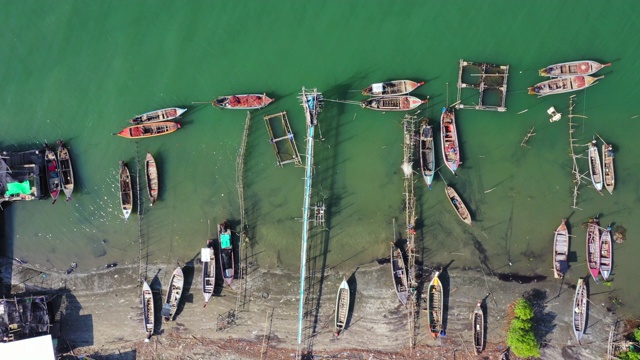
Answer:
x=147 y=310
x=561 y=250
x=149 y=130
x=394 y=87
x=435 y=305
x=449 y=134
x=392 y=103
x=242 y=102
x=581 y=67
x=580 y=309
x=427 y=154
x=607 y=167
x=126 y=191
x=174 y=292
x=458 y=205
x=478 y=328
x=595 y=168
x=158 y=115
x=593 y=247
x=563 y=85
x=208 y=257
x=66 y=170
x=53 y=172
x=225 y=242
x=606 y=253
x=342 y=307
x=151 y=172
x=399 y=273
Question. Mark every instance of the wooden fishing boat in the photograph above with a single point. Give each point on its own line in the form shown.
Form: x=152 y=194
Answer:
x=147 y=309
x=561 y=250
x=158 y=115
x=66 y=170
x=435 y=305
x=399 y=273
x=151 y=172
x=563 y=85
x=571 y=68
x=449 y=134
x=606 y=253
x=593 y=247
x=225 y=242
x=458 y=205
x=208 y=258
x=580 y=309
x=242 y=102
x=312 y=102
x=149 y=130
x=342 y=307
x=395 y=87
x=126 y=191
x=595 y=168
x=174 y=292
x=392 y=103
x=53 y=172
x=478 y=328
x=607 y=167
x=427 y=154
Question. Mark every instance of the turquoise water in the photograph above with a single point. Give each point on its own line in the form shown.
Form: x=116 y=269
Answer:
x=77 y=71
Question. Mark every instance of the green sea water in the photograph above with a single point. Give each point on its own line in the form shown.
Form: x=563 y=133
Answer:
x=77 y=71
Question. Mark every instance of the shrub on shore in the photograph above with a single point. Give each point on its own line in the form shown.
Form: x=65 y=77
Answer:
x=520 y=336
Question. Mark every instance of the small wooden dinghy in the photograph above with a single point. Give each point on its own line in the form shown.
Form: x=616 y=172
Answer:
x=399 y=273
x=151 y=172
x=174 y=292
x=342 y=307
x=227 y=265
x=158 y=115
x=593 y=248
x=53 y=172
x=449 y=134
x=147 y=309
x=66 y=171
x=580 y=309
x=607 y=167
x=606 y=253
x=458 y=205
x=395 y=87
x=435 y=305
x=392 y=103
x=571 y=68
x=208 y=258
x=563 y=85
x=595 y=169
x=478 y=328
x=427 y=154
x=126 y=192
x=242 y=102
x=561 y=250
x=149 y=130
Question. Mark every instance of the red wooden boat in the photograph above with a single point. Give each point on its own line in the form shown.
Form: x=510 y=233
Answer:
x=242 y=102
x=149 y=130
x=593 y=247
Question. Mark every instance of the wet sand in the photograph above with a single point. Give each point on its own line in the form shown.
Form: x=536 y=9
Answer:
x=102 y=316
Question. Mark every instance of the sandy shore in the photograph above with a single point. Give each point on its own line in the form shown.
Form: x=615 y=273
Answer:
x=102 y=316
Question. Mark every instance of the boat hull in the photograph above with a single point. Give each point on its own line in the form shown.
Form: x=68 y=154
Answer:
x=208 y=258
x=399 y=273
x=563 y=85
x=580 y=309
x=478 y=329
x=561 y=250
x=395 y=87
x=149 y=130
x=435 y=306
x=126 y=191
x=608 y=172
x=151 y=172
x=66 y=170
x=427 y=154
x=606 y=254
x=342 y=307
x=392 y=103
x=458 y=205
x=595 y=168
x=53 y=172
x=174 y=292
x=449 y=140
x=167 y=114
x=225 y=242
x=242 y=102
x=572 y=68
x=147 y=309
x=593 y=248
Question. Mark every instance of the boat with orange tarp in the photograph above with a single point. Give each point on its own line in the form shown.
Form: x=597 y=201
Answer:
x=242 y=102
x=149 y=130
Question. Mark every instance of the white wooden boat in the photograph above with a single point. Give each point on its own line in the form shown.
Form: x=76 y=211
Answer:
x=208 y=258
x=580 y=309
x=126 y=192
x=606 y=254
x=399 y=273
x=561 y=250
x=595 y=168
x=563 y=85
x=147 y=310
x=395 y=87
x=66 y=170
x=427 y=153
x=158 y=115
x=342 y=307
x=174 y=292
x=449 y=140
x=478 y=328
x=458 y=205
x=53 y=172
x=435 y=306
x=392 y=103
x=151 y=172
x=571 y=68
x=607 y=167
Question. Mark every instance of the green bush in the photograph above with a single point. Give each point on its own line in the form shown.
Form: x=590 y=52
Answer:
x=520 y=336
x=629 y=355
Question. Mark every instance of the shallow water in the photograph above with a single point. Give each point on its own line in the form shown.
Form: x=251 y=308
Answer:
x=77 y=71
